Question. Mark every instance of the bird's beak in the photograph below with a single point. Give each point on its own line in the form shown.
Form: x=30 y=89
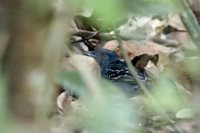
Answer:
x=91 y=54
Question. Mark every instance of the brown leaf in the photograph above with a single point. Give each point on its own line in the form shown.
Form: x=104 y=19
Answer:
x=65 y=102
x=175 y=21
x=141 y=61
x=138 y=48
x=72 y=63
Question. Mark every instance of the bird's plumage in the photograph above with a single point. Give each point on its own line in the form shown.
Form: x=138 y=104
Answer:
x=115 y=69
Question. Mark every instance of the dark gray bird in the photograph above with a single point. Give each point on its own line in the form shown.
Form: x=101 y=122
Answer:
x=115 y=69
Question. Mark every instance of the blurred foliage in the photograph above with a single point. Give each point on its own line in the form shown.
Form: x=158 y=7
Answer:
x=2 y=98
x=38 y=8
x=192 y=64
x=150 y=7
x=74 y=81
x=190 y=21
x=4 y=116
x=110 y=111
x=167 y=95
x=109 y=11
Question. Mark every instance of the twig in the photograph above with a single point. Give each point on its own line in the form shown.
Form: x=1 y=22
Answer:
x=167 y=43
x=92 y=34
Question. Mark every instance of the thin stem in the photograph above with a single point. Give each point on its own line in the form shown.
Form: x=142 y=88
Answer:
x=190 y=22
x=142 y=86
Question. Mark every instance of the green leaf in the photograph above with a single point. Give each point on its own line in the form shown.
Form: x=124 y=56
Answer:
x=73 y=81
x=168 y=97
x=150 y=7
x=185 y=113
x=108 y=112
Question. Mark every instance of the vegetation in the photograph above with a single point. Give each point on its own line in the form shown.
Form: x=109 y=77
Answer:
x=47 y=84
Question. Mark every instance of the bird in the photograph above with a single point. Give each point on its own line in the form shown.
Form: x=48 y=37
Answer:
x=114 y=69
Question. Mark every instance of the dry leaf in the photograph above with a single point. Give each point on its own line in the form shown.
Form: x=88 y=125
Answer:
x=184 y=38
x=138 y=48
x=65 y=102
x=137 y=28
x=174 y=20
x=151 y=70
x=72 y=63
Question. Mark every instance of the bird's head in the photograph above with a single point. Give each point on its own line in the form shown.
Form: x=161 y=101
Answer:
x=102 y=56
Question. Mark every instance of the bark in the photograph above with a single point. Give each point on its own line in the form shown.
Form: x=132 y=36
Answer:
x=37 y=36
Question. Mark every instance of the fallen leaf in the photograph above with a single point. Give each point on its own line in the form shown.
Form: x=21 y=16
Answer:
x=174 y=20
x=63 y=100
x=134 y=48
x=137 y=28
x=66 y=103
x=71 y=63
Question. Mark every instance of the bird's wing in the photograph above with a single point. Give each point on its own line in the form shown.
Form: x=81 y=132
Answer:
x=117 y=70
